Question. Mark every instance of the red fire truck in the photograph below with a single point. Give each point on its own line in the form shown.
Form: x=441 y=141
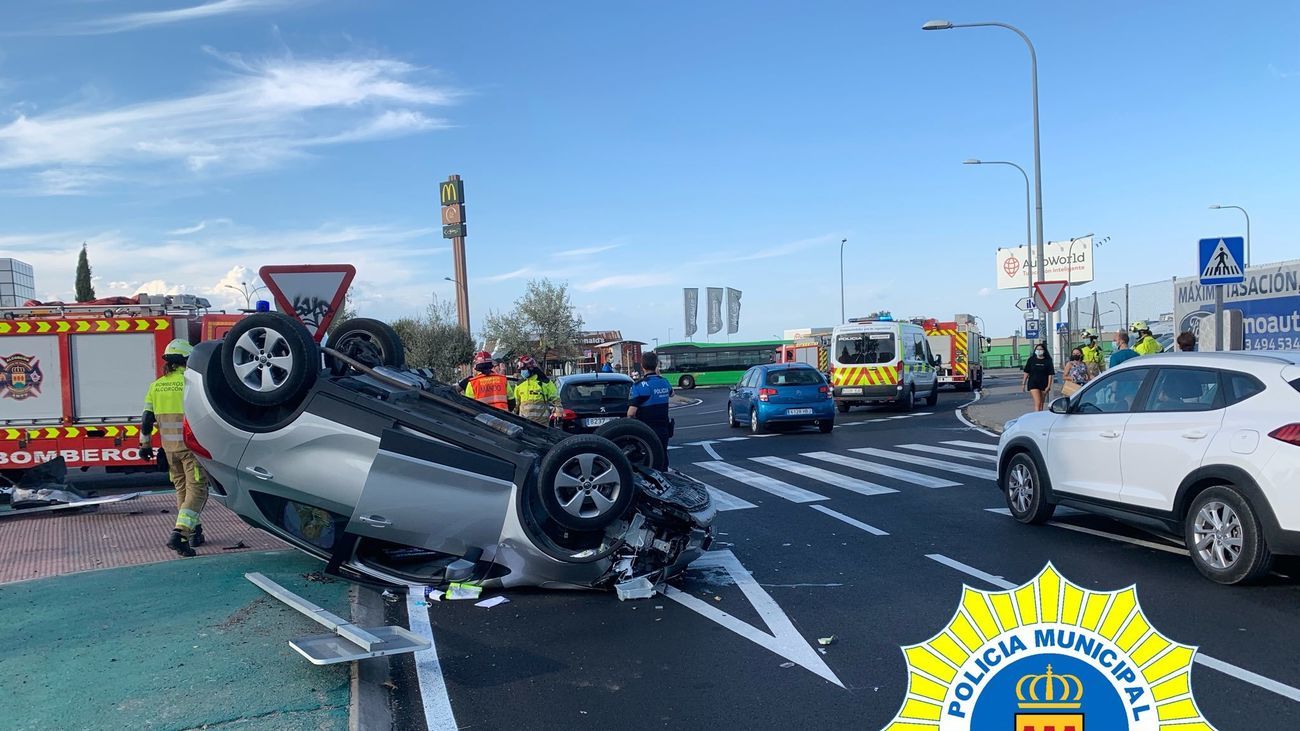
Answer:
x=961 y=345
x=73 y=377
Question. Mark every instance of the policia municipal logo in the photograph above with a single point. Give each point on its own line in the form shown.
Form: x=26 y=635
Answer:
x=20 y=377
x=1049 y=656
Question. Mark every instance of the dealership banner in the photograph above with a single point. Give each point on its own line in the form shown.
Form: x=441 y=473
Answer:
x=691 y=301
x=715 y=309
x=1061 y=261
x=733 y=311
x=1269 y=300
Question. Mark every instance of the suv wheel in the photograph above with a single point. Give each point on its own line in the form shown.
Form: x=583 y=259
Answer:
x=369 y=342
x=638 y=441
x=586 y=483
x=269 y=359
x=1224 y=537
x=1025 y=493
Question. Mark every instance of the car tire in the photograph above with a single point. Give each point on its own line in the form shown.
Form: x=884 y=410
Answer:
x=755 y=425
x=908 y=401
x=1215 y=558
x=686 y=382
x=269 y=359
x=933 y=398
x=731 y=416
x=825 y=426
x=586 y=483
x=369 y=342
x=842 y=407
x=1026 y=492
x=637 y=440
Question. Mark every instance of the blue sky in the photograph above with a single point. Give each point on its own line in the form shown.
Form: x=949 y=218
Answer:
x=636 y=148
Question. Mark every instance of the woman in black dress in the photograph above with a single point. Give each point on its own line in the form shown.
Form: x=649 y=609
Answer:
x=1039 y=373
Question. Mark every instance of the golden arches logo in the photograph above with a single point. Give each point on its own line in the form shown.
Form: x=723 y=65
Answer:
x=451 y=192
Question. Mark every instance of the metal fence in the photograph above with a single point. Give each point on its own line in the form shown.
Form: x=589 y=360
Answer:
x=1115 y=309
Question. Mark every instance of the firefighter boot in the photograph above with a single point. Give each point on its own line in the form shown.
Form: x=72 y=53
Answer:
x=179 y=544
x=196 y=538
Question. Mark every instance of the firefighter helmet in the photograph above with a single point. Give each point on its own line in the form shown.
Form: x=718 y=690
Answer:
x=179 y=347
x=1139 y=326
x=1087 y=333
x=526 y=361
x=482 y=358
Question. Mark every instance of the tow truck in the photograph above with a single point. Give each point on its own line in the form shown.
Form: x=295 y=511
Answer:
x=73 y=376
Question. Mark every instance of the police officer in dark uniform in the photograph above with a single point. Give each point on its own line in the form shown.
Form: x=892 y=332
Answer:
x=649 y=398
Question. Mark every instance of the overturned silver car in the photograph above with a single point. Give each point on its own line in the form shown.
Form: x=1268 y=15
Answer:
x=395 y=479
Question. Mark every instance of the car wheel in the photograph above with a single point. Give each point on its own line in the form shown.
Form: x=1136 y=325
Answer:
x=269 y=359
x=842 y=407
x=369 y=342
x=686 y=382
x=731 y=416
x=933 y=398
x=586 y=483
x=1026 y=496
x=907 y=402
x=639 y=442
x=825 y=426
x=1224 y=537
x=755 y=425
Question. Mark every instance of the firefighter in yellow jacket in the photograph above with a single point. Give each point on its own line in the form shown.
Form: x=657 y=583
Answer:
x=1146 y=342
x=164 y=405
x=536 y=393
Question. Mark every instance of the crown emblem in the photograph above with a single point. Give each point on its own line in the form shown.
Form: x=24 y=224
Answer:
x=1049 y=691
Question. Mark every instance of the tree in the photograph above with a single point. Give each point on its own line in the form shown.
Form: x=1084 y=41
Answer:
x=85 y=290
x=543 y=319
x=435 y=341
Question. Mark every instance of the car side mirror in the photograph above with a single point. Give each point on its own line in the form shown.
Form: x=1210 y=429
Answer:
x=936 y=360
x=1061 y=405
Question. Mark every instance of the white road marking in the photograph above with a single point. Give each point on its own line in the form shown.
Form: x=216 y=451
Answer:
x=916 y=478
x=962 y=418
x=674 y=446
x=974 y=445
x=726 y=501
x=1123 y=539
x=891 y=418
x=711 y=411
x=922 y=413
x=785 y=639
x=762 y=482
x=733 y=439
x=960 y=469
x=708 y=447
x=1255 y=679
x=433 y=687
x=760 y=436
x=852 y=484
x=949 y=452
x=851 y=521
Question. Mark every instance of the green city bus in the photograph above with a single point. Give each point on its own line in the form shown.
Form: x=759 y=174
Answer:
x=688 y=365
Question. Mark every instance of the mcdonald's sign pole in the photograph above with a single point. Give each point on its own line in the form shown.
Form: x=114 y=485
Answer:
x=451 y=193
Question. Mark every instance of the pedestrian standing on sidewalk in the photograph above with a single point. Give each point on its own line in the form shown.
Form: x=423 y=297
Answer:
x=1122 y=351
x=1039 y=372
x=164 y=405
x=650 y=397
x=1076 y=373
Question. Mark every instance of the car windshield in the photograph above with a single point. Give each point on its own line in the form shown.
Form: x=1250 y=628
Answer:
x=865 y=348
x=794 y=377
x=596 y=393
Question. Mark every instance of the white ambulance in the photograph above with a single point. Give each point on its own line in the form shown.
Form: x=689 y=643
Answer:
x=877 y=361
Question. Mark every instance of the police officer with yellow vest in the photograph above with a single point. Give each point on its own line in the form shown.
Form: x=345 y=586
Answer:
x=1146 y=344
x=164 y=405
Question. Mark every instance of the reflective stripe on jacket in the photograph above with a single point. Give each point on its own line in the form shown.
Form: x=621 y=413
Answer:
x=1092 y=354
x=166 y=399
x=491 y=389
x=1147 y=345
x=535 y=399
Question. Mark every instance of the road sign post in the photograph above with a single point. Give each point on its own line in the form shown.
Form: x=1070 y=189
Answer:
x=1221 y=262
x=451 y=194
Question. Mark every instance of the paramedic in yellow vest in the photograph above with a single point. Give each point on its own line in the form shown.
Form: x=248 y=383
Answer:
x=1093 y=358
x=490 y=388
x=164 y=405
x=536 y=393
x=1146 y=344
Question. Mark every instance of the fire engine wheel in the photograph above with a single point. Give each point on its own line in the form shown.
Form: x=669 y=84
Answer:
x=369 y=342
x=842 y=407
x=269 y=359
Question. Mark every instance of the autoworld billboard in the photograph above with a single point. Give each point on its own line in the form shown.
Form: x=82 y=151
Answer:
x=1269 y=300
x=1061 y=261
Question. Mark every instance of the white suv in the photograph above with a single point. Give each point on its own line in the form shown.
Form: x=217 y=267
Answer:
x=1204 y=444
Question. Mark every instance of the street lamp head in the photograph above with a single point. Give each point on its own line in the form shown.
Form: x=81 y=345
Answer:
x=844 y=241
x=449 y=279
x=937 y=25
x=972 y=161
x=1215 y=207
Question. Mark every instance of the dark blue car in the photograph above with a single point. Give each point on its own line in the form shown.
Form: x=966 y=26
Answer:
x=784 y=393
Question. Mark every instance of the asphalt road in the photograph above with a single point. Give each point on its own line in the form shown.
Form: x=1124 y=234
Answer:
x=731 y=651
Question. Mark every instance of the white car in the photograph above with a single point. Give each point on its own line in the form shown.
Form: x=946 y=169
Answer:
x=1204 y=444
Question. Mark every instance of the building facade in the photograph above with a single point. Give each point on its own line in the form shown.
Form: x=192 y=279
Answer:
x=17 y=283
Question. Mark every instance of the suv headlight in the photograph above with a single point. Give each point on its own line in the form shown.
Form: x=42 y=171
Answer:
x=1007 y=426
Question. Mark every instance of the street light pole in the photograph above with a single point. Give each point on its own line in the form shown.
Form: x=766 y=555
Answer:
x=842 y=242
x=1038 y=168
x=1029 y=241
x=1247 y=215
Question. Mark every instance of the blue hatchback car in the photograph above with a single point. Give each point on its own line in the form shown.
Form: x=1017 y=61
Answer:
x=784 y=393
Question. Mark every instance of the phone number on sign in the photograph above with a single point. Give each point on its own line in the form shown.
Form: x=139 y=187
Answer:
x=1279 y=343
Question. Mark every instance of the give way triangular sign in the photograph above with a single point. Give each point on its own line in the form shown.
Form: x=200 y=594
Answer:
x=1049 y=295
x=313 y=293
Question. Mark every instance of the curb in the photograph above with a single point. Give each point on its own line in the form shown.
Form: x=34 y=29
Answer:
x=696 y=402
x=963 y=415
x=368 y=707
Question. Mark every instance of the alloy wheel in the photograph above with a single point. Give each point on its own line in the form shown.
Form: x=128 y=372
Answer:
x=262 y=359
x=1217 y=531
x=1020 y=488
x=587 y=485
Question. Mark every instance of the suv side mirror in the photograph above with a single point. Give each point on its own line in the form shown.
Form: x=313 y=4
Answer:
x=936 y=360
x=1060 y=405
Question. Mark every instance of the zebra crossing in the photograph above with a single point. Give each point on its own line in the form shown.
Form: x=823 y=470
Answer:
x=799 y=478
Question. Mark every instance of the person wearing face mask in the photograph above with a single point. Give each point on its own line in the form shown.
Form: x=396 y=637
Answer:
x=1038 y=375
x=1076 y=373
x=536 y=393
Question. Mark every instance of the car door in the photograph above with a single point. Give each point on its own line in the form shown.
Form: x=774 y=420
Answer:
x=1166 y=438
x=740 y=396
x=1083 y=447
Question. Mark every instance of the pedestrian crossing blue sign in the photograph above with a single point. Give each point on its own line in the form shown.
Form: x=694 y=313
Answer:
x=1223 y=260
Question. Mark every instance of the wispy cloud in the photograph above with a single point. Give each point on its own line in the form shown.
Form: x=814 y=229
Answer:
x=627 y=281
x=1281 y=74
x=199 y=226
x=793 y=247
x=586 y=250
x=263 y=113
x=152 y=18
